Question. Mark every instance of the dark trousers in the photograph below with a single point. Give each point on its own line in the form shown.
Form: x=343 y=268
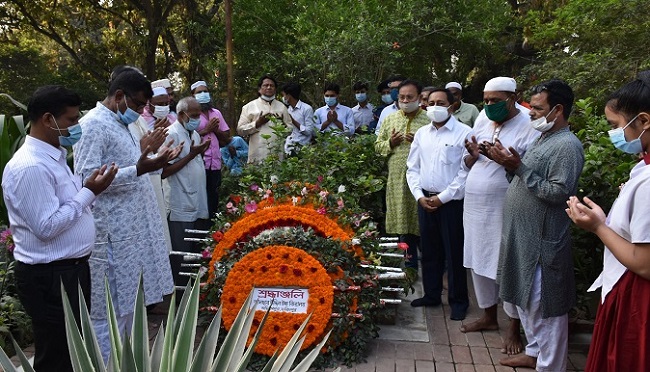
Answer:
x=212 y=184
x=441 y=240
x=39 y=290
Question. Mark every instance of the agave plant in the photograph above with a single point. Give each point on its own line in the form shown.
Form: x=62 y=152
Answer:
x=173 y=347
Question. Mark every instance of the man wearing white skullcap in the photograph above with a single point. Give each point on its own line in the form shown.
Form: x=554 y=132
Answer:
x=464 y=112
x=485 y=191
x=165 y=83
x=155 y=114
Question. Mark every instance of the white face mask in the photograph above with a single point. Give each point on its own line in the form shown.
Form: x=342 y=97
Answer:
x=160 y=112
x=267 y=98
x=541 y=124
x=409 y=107
x=438 y=114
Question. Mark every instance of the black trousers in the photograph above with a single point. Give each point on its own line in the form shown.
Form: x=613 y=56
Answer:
x=212 y=184
x=441 y=240
x=39 y=290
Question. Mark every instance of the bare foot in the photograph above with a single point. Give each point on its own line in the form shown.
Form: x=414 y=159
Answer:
x=512 y=343
x=519 y=361
x=483 y=324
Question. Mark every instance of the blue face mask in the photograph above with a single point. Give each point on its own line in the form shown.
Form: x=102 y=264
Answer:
x=361 y=97
x=387 y=98
x=203 y=97
x=394 y=93
x=617 y=136
x=129 y=116
x=192 y=124
x=330 y=101
x=74 y=134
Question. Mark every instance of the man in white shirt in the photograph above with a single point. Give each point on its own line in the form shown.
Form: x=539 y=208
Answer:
x=255 y=120
x=393 y=83
x=302 y=118
x=437 y=181
x=363 y=111
x=334 y=117
x=51 y=222
x=184 y=181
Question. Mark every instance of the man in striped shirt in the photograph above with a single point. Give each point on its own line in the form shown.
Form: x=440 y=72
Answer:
x=50 y=219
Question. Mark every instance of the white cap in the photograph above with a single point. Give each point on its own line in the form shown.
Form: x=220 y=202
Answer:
x=453 y=84
x=159 y=91
x=501 y=84
x=199 y=83
x=165 y=83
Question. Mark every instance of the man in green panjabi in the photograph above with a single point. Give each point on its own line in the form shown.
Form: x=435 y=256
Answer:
x=394 y=142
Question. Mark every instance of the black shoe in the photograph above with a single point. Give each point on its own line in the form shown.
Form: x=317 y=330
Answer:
x=425 y=301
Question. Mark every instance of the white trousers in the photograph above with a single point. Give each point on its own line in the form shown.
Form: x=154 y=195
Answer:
x=548 y=338
x=487 y=294
x=124 y=322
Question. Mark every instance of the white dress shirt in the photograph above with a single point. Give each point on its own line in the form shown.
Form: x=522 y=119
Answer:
x=434 y=162
x=363 y=115
x=344 y=115
x=304 y=115
x=49 y=209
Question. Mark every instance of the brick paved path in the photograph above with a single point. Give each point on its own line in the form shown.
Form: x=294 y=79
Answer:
x=450 y=350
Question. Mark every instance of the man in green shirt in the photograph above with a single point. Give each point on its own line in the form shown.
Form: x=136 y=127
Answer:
x=463 y=112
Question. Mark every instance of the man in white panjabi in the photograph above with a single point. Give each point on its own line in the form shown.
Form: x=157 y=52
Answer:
x=129 y=242
x=140 y=131
x=485 y=191
x=255 y=120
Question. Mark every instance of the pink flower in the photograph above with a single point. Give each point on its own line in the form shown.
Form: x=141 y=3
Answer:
x=254 y=187
x=251 y=207
x=340 y=203
x=323 y=194
x=319 y=179
x=402 y=246
x=205 y=253
x=229 y=205
x=322 y=210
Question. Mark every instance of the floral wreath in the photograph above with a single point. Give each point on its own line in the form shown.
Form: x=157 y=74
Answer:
x=315 y=222
x=280 y=266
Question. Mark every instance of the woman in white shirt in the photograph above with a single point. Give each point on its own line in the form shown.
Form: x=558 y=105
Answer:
x=621 y=339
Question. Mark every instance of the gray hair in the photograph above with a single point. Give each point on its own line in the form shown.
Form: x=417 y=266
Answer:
x=184 y=104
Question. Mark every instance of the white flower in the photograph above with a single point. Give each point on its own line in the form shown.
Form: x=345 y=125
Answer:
x=356 y=241
x=341 y=189
x=294 y=200
x=304 y=191
x=274 y=179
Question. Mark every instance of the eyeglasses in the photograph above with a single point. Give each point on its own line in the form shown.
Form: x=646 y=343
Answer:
x=139 y=104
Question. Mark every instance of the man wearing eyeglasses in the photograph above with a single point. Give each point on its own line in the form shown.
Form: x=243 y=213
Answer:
x=503 y=120
x=129 y=240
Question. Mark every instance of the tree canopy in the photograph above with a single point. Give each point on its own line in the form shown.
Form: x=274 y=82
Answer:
x=78 y=42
